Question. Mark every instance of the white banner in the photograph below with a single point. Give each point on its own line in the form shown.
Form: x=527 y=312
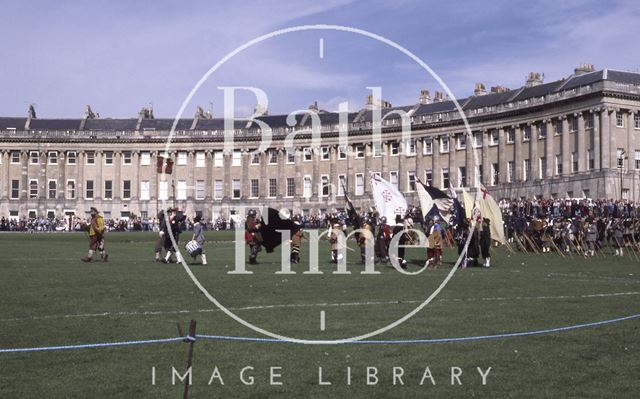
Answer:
x=389 y=201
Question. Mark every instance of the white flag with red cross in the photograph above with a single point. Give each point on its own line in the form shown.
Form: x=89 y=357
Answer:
x=389 y=201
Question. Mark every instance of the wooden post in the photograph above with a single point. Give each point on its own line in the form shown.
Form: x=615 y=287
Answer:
x=191 y=339
x=529 y=241
x=520 y=243
x=555 y=246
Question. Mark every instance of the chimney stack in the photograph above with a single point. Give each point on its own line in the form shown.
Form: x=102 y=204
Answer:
x=583 y=68
x=383 y=104
x=438 y=97
x=534 y=79
x=479 y=90
x=425 y=97
x=499 y=89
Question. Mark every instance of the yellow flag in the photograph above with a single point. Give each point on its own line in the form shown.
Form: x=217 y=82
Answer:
x=489 y=209
x=468 y=203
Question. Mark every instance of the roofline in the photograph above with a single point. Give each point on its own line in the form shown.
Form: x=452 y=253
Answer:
x=354 y=115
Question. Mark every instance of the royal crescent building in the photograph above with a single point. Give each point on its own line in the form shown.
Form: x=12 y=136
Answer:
x=576 y=137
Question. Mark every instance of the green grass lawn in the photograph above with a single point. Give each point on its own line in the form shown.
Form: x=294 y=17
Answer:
x=48 y=297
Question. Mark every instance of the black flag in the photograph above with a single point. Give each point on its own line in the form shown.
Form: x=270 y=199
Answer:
x=352 y=214
x=430 y=196
x=271 y=238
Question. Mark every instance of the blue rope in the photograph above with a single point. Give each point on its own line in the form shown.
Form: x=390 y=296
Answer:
x=366 y=342
x=84 y=346
x=439 y=340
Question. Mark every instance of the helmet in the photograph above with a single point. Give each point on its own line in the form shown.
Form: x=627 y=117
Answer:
x=284 y=213
x=383 y=220
x=252 y=212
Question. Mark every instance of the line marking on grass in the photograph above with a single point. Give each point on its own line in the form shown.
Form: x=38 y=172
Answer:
x=322 y=320
x=309 y=305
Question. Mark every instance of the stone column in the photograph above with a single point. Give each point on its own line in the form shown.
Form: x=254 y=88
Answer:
x=98 y=189
x=333 y=176
x=419 y=160
x=384 y=148
x=550 y=151
x=264 y=181
x=43 y=179
x=453 y=172
x=79 y=201
x=583 y=159
x=631 y=149
x=533 y=153
x=281 y=183
x=209 y=183
x=299 y=183
x=245 y=183
x=566 y=147
x=6 y=184
x=135 y=179
x=597 y=131
x=402 y=174
x=227 y=175
x=80 y=184
x=315 y=177
x=631 y=142
x=117 y=178
x=24 y=184
x=172 y=189
x=605 y=139
x=154 y=185
x=486 y=164
x=62 y=176
x=469 y=164
x=351 y=177
x=367 y=166
x=502 y=155
x=39 y=172
x=517 y=157
x=436 y=169
x=613 y=141
x=191 y=181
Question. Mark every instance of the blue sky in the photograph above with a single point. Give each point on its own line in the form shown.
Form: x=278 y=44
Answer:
x=119 y=56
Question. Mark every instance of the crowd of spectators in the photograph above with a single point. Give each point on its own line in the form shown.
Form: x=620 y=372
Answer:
x=529 y=208
x=571 y=208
